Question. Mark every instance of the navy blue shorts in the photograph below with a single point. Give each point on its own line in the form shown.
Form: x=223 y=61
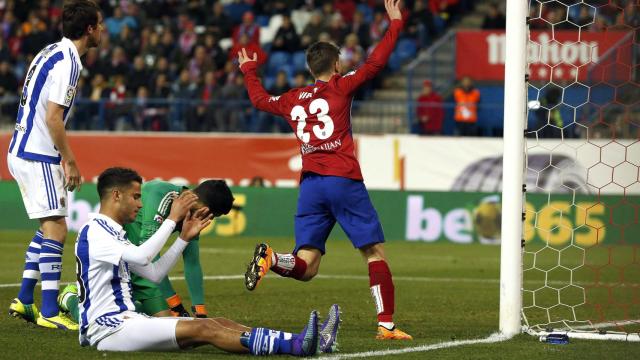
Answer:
x=324 y=200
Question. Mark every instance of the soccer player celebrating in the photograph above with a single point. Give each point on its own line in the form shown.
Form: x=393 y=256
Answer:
x=105 y=259
x=331 y=186
x=157 y=197
x=42 y=162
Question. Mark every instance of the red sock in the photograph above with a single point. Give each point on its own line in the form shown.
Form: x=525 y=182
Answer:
x=382 y=289
x=289 y=265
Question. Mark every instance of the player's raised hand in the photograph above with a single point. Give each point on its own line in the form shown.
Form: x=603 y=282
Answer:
x=393 y=9
x=181 y=205
x=243 y=57
x=194 y=222
x=72 y=178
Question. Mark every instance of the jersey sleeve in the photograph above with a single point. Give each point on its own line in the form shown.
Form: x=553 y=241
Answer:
x=64 y=78
x=376 y=61
x=260 y=98
x=107 y=249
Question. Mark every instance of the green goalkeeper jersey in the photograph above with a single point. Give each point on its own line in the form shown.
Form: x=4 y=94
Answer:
x=157 y=197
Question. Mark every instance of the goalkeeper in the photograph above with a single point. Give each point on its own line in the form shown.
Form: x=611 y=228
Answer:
x=157 y=197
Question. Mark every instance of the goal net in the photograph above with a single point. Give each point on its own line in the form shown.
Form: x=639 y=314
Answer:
x=581 y=257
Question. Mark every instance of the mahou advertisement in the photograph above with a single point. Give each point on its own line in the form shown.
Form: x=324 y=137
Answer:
x=558 y=56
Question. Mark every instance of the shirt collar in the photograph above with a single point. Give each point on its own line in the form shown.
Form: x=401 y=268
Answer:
x=70 y=44
x=112 y=223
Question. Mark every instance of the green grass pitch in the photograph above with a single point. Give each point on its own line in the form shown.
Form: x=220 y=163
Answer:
x=443 y=292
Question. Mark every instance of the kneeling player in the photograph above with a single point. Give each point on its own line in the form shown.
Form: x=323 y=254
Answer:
x=105 y=260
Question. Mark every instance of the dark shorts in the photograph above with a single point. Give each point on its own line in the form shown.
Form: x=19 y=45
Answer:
x=148 y=294
x=324 y=200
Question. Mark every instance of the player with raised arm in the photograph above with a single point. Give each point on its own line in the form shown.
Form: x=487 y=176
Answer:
x=42 y=162
x=105 y=260
x=331 y=185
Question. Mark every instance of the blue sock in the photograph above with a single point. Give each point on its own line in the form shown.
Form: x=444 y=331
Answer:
x=263 y=341
x=50 y=269
x=31 y=272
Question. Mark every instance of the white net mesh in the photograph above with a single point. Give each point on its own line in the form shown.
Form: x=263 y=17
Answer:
x=582 y=231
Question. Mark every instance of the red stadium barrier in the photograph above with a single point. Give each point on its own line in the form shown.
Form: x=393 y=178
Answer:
x=192 y=157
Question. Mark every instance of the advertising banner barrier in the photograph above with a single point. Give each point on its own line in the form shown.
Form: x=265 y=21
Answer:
x=561 y=56
x=457 y=217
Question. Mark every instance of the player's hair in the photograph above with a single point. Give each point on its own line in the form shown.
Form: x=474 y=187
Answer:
x=216 y=195
x=321 y=57
x=116 y=177
x=77 y=15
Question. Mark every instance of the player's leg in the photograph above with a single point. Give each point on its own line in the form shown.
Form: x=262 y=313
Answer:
x=358 y=218
x=313 y=224
x=149 y=296
x=158 y=334
x=194 y=278
x=23 y=306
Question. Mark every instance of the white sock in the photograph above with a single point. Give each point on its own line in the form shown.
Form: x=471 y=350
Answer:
x=387 y=325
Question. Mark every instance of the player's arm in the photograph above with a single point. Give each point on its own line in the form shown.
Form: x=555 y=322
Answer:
x=55 y=123
x=191 y=227
x=377 y=60
x=143 y=255
x=64 y=77
x=260 y=98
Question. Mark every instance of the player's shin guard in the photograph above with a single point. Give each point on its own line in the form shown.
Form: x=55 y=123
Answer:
x=289 y=265
x=31 y=272
x=382 y=290
x=263 y=341
x=50 y=268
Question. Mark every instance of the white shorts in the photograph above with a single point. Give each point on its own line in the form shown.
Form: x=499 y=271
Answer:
x=41 y=185
x=139 y=332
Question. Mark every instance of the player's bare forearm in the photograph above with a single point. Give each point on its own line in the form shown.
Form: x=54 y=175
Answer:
x=55 y=123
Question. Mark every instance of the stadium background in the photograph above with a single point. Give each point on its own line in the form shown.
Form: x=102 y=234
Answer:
x=163 y=95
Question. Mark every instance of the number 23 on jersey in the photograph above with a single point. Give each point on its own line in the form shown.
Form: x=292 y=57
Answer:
x=320 y=108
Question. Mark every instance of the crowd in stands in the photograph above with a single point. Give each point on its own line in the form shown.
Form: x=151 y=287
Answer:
x=185 y=51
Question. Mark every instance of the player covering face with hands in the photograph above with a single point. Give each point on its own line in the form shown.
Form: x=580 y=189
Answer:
x=331 y=186
x=105 y=260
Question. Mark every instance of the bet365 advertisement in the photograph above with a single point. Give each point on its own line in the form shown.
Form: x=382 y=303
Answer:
x=458 y=217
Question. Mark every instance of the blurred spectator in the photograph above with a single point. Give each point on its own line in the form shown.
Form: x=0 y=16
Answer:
x=351 y=54
x=419 y=24
x=187 y=39
x=5 y=54
x=301 y=79
x=8 y=92
x=117 y=110
x=138 y=75
x=127 y=41
x=430 y=111
x=161 y=90
x=218 y=22
x=233 y=116
x=248 y=28
x=494 y=19
x=182 y=91
x=346 y=8
x=204 y=118
x=286 y=38
x=118 y=64
x=251 y=48
x=337 y=30
x=378 y=26
x=115 y=23
x=314 y=28
x=466 y=111
x=199 y=64
x=361 y=29
x=214 y=51
x=549 y=117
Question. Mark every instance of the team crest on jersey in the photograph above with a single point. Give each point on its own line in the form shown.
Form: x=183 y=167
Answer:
x=68 y=97
x=158 y=218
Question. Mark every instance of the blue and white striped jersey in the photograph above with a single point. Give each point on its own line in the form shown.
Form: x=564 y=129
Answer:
x=53 y=76
x=104 y=280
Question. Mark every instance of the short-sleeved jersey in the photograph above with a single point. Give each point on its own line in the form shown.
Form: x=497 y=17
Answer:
x=320 y=114
x=157 y=197
x=104 y=280
x=52 y=76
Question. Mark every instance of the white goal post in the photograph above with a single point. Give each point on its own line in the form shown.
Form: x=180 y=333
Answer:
x=570 y=255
